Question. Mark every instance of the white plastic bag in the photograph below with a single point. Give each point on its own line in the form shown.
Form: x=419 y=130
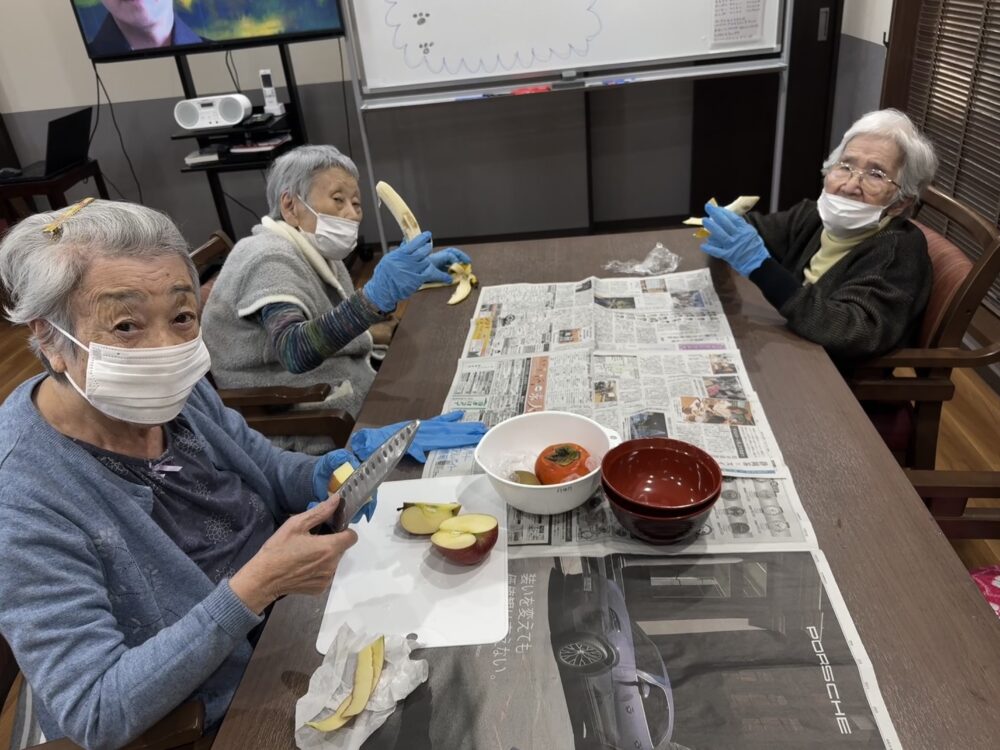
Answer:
x=332 y=682
x=659 y=260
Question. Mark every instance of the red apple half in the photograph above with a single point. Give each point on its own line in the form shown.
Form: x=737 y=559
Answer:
x=425 y=518
x=466 y=540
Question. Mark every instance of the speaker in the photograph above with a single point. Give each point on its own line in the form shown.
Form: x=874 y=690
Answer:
x=221 y=111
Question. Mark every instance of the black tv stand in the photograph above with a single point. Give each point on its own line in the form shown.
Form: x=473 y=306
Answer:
x=291 y=123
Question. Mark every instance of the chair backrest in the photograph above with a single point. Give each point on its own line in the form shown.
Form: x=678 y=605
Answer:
x=213 y=252
x=208 y=258
x=959 y=284
x=8 y=669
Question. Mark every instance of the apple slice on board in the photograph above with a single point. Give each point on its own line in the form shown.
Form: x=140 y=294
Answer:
x=425 y=518
x=466 y=540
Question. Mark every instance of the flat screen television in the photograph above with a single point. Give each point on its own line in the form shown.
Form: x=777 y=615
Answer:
x=125 y=29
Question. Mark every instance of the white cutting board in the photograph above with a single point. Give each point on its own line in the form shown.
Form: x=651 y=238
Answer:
x=391 y=582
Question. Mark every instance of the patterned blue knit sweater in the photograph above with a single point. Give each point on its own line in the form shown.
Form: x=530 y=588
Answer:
x=111 y=623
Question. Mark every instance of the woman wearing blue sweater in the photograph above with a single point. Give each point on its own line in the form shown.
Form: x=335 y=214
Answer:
x=144 y=528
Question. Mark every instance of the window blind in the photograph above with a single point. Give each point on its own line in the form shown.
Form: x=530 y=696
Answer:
x=954 y=97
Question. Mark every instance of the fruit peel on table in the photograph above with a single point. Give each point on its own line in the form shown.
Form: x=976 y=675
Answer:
x=740 y=206
x=367 y=671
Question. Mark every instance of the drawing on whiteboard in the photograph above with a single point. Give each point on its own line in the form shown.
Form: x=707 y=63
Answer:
x=483 y=36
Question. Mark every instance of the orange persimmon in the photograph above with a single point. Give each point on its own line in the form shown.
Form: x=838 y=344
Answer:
x=561 y=462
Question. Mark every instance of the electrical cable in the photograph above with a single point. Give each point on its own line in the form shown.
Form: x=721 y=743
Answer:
x=343 y=90
x=113 y=185
x=234 y=74
x=97 y=96
x=244 y=206
x=121 y=139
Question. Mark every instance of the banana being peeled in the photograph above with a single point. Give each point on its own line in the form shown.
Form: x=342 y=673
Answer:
x=740 y=206
x=461 y=273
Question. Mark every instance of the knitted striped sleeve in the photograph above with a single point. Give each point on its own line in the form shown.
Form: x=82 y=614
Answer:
x=301 y=344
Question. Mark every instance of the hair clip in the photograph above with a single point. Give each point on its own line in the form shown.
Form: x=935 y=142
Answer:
x=55 y=228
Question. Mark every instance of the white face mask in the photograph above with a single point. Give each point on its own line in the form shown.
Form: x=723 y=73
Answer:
x=334 y=237
x=142 y=385
x=843 y=217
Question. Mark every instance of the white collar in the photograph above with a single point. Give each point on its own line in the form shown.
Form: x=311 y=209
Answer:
x=317 y=261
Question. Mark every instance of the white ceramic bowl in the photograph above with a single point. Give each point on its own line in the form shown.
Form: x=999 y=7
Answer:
x=530 y=434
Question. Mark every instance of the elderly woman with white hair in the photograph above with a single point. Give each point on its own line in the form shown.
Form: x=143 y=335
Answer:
x=847 y=271
x=283 y=311
x=139 y=517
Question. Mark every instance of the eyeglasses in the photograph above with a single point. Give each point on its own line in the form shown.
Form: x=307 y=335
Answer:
x=873 y=181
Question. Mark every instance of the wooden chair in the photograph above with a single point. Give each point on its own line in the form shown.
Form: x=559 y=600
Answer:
x=268 y=410
x=904 y=391
x=181 y=729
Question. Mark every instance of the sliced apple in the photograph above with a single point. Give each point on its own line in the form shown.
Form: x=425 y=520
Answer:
x=339 y=476
x=425 y=518
x=466 y=540
x=524 y=477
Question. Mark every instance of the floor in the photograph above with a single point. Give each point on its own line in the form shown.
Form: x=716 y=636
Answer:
x=968 y=439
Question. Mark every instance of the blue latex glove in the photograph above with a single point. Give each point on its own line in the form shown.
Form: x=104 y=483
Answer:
x=402 y=272
x=733 y=240
x=322 y=472
x=442 y=259
x=444 y=431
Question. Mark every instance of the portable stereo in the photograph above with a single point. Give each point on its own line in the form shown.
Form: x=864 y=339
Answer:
x=222 y=111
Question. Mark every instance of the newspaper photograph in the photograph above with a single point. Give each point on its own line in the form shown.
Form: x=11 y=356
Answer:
x=755 y=651
x=751 y=514
x=703 y=398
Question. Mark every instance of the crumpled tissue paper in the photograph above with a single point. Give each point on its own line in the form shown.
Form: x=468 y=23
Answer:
x=332 y=682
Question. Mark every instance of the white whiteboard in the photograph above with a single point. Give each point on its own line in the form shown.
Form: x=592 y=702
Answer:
x=413 y=44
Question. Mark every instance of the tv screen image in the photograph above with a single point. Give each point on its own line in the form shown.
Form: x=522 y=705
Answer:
x=119 y=29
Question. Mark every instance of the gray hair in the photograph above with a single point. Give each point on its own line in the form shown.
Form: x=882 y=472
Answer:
x=41 y=271
x=293 y=173
x=919 y=161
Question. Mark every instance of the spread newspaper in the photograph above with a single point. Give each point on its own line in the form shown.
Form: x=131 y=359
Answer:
x=656 y=652
x=737 y=639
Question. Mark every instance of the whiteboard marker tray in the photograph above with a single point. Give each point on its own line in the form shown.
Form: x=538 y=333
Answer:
x=392 y=582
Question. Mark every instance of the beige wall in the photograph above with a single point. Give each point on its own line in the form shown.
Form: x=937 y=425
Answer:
x=867 y=19
x=44 y=65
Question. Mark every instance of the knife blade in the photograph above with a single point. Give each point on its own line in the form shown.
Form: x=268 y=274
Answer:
x=358 y=488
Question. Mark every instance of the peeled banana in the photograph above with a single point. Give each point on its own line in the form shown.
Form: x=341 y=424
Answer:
x=399 y=210
x=740 y=206
x=366 y=676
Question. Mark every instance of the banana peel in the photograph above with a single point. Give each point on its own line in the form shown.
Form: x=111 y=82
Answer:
x=740 y=206
x=367 y=672
x=462 y=278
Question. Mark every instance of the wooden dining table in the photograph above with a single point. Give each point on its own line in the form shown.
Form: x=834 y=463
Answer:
x=933 y=641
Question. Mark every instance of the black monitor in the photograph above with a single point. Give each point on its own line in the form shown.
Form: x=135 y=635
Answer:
x=125 y=29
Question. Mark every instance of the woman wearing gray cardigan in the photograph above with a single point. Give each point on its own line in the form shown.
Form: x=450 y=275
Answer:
x=847 y=271
x=139 y=517
x=284 y=312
